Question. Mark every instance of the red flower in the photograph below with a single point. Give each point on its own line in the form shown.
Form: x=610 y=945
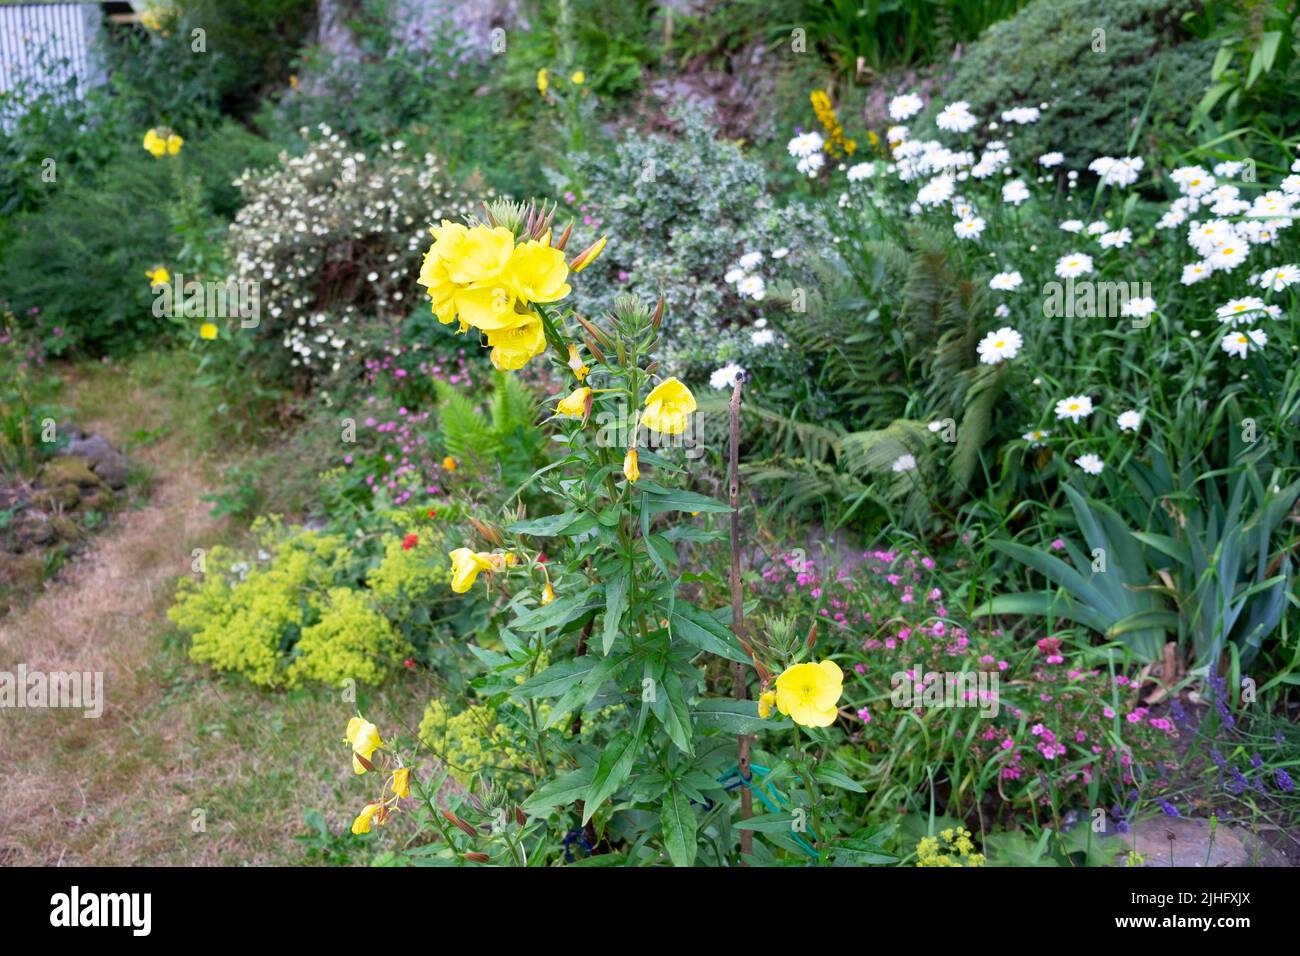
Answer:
x=433 y=512
x=410 y=541
x=409 y=663
x=1049 y=645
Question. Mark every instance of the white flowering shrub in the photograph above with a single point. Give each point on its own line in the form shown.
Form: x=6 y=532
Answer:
x=689 y=218
x=335 y=238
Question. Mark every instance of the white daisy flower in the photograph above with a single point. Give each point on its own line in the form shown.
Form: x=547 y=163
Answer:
x=861 y=171
x=763 y=337
x=751 y=287
x=780 y=253
x=1049 y=160
x=1129 y=421
x=1073 y=264
x=1006 y=281
x=1228 y=168
x=1240 y=311
x=1280 y=278
x=999 y=346
x=1291 y=184
x=1196 y=271
x=1138 y=308
x=903 y=463
x=750 y=260
x=896 y=134
x=805 y=145
x=1229 y=255
x=1075 y=407
x=1072 y=225
x=905 y=106
x=1172 y=218
x=1022 y=115
x=969 y=228
x=811 y=164
x=1091 y=464
x=1238 y=343
x=936 y=191
x=1097 y=227
x=1015 y=192
x=1036 y=437
x=956 y=118
x=733 y=275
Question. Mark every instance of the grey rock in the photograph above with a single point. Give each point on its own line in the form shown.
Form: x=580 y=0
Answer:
x=1186 y=841
x=105 y=460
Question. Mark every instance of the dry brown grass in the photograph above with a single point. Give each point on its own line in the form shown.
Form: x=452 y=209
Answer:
x=123 y=789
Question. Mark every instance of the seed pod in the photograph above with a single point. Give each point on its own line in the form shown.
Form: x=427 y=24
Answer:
x=458 y=822
x=658 y=314
x=596 y=351
x=475 y=857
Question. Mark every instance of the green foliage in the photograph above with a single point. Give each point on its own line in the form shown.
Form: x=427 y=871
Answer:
x=1051 y=52
x=503 y=439
x=901 y=33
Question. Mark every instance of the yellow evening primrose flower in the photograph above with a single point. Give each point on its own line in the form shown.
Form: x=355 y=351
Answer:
x=630 y=468
x=402 y=781
x=157 y=277
x=478 y=255
x=578 y=78
x=575 y=404
x=207 y=331
x=364 y=738
x=766 y=703
x=362 y=823
x=174 y=144
x=513 y=348
x=537 y=272
x=587 y=256
x=667 y=406
x=543 y=80
x=449 y=463
x=808 y=693
x=465 y=566
x=155 y=144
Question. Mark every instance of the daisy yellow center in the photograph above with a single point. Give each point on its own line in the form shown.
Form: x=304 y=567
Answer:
x=999 y=343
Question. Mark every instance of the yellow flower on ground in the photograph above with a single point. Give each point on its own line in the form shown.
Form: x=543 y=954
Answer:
x=157 y=277
x=402 y=781
x=543 y=81
x=575 y=404
x=766 y=703
x=207 y=331
x=449 y=463
x=808 y=693
x=362 y=823
x=578 y=78
x=513 y=348
x=364 y=738
x=587 y=256
x=667 y=406
x=630 y=468
x=465 y=566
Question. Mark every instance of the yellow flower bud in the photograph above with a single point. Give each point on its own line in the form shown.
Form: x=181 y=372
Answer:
x=630 y=468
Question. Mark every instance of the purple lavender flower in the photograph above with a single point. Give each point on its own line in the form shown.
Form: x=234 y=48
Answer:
x=1168 y=808
x=1283 y=780
x=1217 y=758
x=1238 y=783
x=1122 y=826
x=1256 y=760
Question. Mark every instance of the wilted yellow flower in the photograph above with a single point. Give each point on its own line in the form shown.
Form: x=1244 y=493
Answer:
x=207 y=331
x=587 y=256
x=808 y=693
x=157 y=277
x=543 y=80
x=667 y=406
x=548 y=594
x=574 y=404
x=576 y=365
x=465 y=566
x=362 y=823
x=364 y=738
x=513 y=348
x=401 y=781
x=630 y=468
x=578 y=78
x=766 y=703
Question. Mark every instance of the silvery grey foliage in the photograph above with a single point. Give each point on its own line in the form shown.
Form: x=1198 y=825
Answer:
x=681 y=214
